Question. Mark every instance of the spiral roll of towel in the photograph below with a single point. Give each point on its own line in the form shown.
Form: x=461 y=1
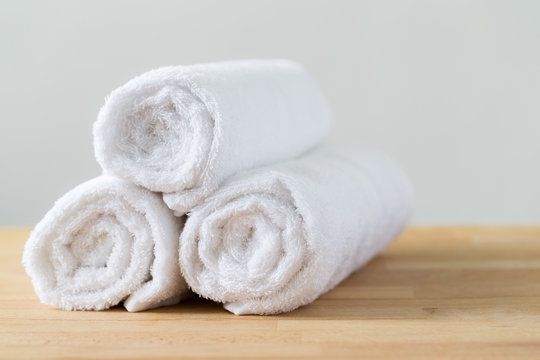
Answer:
x=182 y=130
x=104 y=242
x=275 y=238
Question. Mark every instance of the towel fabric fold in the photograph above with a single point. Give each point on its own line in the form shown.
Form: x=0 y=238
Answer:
x=182 y=130
x=276 y=238
x=106 y=241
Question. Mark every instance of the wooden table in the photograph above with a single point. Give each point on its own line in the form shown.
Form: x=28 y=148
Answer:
x=435 y=293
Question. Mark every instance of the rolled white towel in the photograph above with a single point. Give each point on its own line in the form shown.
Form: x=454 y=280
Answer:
x=105 y=241
x=276 y=238
x=182 y=130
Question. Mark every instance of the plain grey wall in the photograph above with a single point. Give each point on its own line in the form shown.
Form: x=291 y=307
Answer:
x=450 y=89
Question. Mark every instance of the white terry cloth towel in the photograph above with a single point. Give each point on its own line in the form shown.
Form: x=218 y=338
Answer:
x=105 y=241
x=182 y=130
x=276 y=238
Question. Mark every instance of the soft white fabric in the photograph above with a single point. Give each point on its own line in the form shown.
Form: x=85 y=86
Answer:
x=182 y=130
x=105 y=241
x=275 y=238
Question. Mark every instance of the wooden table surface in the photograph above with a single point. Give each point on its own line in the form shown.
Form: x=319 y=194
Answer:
x=434 y=293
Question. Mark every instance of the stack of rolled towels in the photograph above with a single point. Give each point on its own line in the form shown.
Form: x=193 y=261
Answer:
x=215 y=182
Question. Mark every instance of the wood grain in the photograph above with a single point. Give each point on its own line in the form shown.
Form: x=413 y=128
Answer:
x=435 y=293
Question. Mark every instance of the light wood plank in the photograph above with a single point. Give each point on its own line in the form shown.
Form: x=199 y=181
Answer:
x=467 y=292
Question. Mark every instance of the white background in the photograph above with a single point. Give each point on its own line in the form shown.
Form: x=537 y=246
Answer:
x=450 y=89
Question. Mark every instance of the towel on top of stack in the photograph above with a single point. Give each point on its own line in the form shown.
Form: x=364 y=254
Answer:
x=274 y=220
x=182 y=130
